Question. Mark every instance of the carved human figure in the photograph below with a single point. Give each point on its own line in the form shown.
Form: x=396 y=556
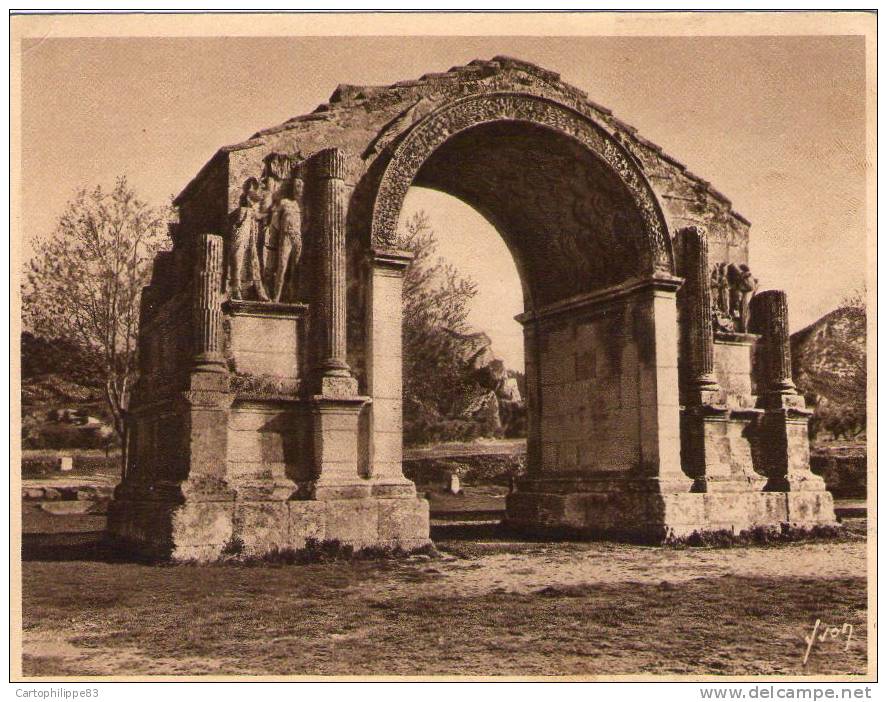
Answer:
x=286 y=235
x=748 y=285
x=243 y=256
x=742 y=287
x=268 y=198
x=723 y=289
x=715 y=285
x=720 y=299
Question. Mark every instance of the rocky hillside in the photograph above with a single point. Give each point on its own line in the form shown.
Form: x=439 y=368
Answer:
x=829 y=367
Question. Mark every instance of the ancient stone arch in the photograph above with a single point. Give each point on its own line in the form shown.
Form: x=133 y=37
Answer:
x=431 y=132
x=268 y=407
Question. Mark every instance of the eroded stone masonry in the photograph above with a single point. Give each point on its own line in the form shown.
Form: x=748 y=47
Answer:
x=268 y=407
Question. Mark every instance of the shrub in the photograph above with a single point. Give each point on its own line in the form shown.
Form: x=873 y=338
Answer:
x=65 y=436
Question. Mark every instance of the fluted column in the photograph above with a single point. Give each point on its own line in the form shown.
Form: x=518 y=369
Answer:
x=769 y=315
x=332 y=198
x=696 y=297
x=336 y=408
x=782 y=436
x=207 y=324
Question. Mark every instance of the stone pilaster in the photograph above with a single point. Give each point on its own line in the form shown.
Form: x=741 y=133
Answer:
x=207 y=322
x=533 y=399
x=332 y=206
x=702 y=415
x=701 y=387
x=385 y=272
x=205 y=402
x=659 y=411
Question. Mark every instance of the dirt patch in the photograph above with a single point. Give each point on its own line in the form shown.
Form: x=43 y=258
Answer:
x=524 y=609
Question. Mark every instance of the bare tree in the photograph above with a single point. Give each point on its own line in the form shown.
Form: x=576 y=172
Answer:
x=84 y=282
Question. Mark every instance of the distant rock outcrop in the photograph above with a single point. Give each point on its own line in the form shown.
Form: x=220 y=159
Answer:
x=499 y=398
x=829 y=368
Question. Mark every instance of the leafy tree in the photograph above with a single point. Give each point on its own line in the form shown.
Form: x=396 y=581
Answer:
x=61 y=357
x=83 y=284
x=435 y=338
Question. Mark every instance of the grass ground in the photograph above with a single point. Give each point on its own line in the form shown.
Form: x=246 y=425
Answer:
x=490 y=605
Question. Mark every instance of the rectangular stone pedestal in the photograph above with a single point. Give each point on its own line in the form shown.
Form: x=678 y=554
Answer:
x=205 y=531
x=649 y=516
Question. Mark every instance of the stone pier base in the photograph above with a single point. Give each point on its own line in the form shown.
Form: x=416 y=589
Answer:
x=652 y=517
x=205 y=531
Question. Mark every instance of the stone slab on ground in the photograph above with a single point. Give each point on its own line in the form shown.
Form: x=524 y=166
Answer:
x=64 y=507
x=98 y=487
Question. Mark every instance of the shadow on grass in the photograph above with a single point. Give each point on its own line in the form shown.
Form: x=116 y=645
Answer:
x=476 y=531
x=94 y=546
x=76 y=546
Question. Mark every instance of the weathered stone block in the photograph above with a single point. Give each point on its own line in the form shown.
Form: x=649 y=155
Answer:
x=205 y=524
x=354 y=522
x=387 y=447
x=387 y=415
x=336 y=446
x=306 y=520
x=404 y=522
x=262 y=345
x=262 y=526
x=627 y=513
x=810 y=508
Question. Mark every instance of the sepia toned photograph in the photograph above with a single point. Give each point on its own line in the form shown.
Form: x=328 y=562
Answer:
x=444 y=346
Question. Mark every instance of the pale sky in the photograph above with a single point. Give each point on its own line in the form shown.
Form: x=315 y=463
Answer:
x=775 y=123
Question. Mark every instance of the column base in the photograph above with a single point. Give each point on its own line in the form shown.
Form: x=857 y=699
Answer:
x=335 y=434
x=392 y=486
x=340 y=386
x=649 y=516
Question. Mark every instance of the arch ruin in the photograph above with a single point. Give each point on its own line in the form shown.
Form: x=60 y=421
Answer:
x=268 y=407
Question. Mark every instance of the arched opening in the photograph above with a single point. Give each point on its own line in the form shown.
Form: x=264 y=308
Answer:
x=599 y=322
x=468 y=241
x=568 y=220
x=464 y=416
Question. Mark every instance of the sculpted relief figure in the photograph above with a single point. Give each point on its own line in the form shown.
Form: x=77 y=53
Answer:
x=720 y=299
x=723 y=296
x=244 y=266
x=266 y=232
x=268 y=198
x=732 y=288
x=286 y=236
x=742 y=287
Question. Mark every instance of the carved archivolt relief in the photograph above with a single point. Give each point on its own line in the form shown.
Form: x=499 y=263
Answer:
x=436 y=128
x=400 y=124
